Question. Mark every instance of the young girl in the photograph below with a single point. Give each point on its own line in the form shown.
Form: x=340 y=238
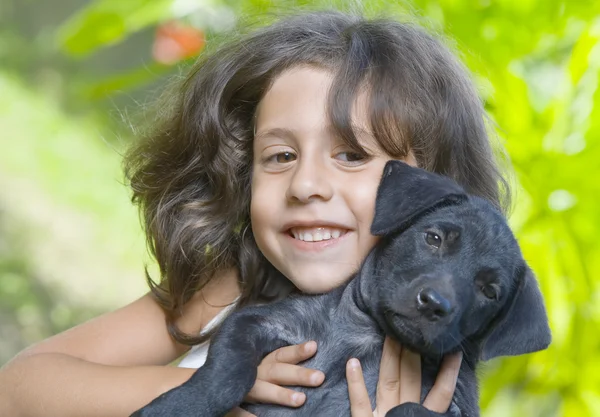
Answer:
x=260 y=180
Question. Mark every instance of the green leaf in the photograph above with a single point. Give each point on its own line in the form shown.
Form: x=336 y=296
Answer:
x=106 y=22
x=93 y=30
x=579 y=61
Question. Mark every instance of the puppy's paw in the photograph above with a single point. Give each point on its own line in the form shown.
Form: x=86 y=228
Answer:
x=412 y=410
x=179 y=402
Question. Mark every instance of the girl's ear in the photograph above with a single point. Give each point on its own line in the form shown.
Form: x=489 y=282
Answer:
x=405 y=193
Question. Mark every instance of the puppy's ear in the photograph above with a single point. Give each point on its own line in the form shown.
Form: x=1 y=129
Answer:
x=405 y=193
x=523 y=328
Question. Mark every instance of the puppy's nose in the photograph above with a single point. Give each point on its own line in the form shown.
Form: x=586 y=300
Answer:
x=432 y=304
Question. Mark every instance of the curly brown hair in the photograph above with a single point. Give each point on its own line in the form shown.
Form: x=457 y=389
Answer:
x=191 y=174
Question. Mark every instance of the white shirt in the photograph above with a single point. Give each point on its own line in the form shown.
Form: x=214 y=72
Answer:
x=196 y=357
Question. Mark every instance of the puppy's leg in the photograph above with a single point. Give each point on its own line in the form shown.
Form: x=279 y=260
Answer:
x=227 y=376
x=417 y=410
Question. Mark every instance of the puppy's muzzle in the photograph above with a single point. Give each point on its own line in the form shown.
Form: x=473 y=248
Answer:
x=434 y=297
x=433 y=305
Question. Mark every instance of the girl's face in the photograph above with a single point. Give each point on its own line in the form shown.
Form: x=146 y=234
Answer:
x=312 y=198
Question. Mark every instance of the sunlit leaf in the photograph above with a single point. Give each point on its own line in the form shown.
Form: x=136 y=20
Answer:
x=106 y=22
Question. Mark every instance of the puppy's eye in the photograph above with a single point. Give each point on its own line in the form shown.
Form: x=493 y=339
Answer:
x=433 y=239
x=491 y=291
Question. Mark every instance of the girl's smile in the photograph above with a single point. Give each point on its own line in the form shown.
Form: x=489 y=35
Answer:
x=317 y=238
x=316 y=234
x=312 y=197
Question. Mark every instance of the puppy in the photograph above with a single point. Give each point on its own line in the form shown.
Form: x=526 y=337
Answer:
x=447 y=275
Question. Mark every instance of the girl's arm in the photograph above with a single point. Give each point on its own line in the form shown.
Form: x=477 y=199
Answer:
x=109 y=366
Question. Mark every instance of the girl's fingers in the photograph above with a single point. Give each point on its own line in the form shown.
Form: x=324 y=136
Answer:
x=265 y=392
x=388 y=386
x=292 y=354
x=360 y=404
x=440 y=396
x=286 y=374
x=410 y=377
x=238 y=412
x=279 y=367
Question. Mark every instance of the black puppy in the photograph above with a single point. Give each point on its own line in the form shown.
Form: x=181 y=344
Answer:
x=447 y=275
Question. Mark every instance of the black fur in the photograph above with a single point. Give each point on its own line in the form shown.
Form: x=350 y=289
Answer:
x=447 y=275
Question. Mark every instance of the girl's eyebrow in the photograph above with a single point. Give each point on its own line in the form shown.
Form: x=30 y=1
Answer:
x=358 y=130
x=362 y=134
x=279 y=132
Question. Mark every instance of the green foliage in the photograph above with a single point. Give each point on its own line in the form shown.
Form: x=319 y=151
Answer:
x=29 y=310
x=70 y=242
x=106 y=22
x=537 y=65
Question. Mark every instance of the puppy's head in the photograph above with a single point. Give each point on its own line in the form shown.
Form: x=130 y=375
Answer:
x=448 y=272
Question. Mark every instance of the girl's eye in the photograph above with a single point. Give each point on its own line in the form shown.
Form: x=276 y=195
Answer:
x=284 y=157
x=351 y=157
x=491 y=291
x=433 y=239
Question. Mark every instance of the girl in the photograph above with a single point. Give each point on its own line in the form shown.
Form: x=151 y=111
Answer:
x=260 y=180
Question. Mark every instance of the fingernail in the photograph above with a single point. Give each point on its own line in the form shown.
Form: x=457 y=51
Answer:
x=309 y=346
x=316 y=378
x=354 y=363
x=297 y=398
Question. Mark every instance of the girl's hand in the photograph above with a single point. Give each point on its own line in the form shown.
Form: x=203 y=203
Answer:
x=400 y=382
x=280 y=368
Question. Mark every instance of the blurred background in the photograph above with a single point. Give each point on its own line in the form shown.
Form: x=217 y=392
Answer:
x=76 y=76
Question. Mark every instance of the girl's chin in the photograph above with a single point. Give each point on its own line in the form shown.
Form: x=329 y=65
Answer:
x=321 y=283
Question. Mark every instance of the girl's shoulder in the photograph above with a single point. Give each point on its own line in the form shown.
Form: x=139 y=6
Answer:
x=197 y=355
x=220 y=292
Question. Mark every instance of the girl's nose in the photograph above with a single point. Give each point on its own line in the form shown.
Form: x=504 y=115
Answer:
x=309 y=182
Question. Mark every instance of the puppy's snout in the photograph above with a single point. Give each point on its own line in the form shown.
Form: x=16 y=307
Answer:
x=433 y=305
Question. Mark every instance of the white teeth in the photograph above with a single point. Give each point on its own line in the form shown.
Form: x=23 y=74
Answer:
x=316 y=234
